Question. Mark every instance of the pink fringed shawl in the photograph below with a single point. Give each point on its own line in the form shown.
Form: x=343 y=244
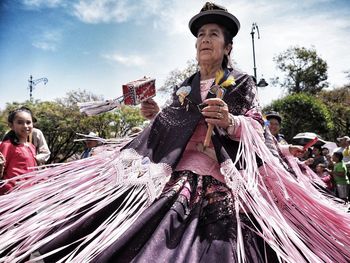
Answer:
x=297 y=221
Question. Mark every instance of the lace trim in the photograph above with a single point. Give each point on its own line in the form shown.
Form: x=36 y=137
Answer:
x=233 y=177
x=137 y=169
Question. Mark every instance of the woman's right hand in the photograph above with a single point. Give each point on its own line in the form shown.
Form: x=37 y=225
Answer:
x=149 y=109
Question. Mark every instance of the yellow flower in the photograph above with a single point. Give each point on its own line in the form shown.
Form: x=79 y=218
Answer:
x=228 y=82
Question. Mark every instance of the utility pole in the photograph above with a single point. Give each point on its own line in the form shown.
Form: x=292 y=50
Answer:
x=33 y=83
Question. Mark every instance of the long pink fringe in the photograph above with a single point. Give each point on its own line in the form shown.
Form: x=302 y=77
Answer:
x=57 y=195
x=295 y=219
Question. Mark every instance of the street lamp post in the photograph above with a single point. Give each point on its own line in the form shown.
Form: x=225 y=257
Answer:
x=33 y=83
x=254 y=27
x=262 y=82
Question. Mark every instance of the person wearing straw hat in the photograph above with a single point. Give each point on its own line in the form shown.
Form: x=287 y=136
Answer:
x=199 y=184
x=91 y=141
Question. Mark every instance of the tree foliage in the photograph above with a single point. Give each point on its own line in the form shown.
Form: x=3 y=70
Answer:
x=303 y=113
x=177 y=76
x=338 y=102
x=61 y=120
x=304 y=70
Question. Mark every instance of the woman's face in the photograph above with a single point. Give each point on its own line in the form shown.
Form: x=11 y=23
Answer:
x=274 y=126
x=22 y=124
x=325 y=151
x=211 y=45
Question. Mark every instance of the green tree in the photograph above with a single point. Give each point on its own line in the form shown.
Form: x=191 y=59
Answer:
x=59 y=124
x=304 y=70
x=126 y=118
x=73 y=97
x=60 y=121
x=302 y=113
x=338 y=102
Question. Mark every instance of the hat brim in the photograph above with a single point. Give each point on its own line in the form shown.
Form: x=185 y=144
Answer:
x=223 y=18
x=343 y=138
x=274 y=116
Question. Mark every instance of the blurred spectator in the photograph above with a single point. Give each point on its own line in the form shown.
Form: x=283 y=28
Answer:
x=318 y=157
x=325 y=151
x=307 y=157
x=42 y=149
x=343 y=142
x=339 y=174
x=92 y=141
x=134 y=131
x=344 y=148
x=321 y=171
x=329 y=161
x=274 y=123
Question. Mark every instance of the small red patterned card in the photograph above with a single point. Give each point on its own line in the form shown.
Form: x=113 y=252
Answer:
x=139 y=90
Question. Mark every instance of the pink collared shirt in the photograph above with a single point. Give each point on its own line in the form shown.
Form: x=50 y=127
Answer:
x=194 y=158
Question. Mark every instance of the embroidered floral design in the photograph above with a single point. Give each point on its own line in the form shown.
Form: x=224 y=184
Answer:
x=182 y=93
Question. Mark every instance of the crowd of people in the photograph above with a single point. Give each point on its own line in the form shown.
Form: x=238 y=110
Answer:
x=331 y=165
x=206 y=180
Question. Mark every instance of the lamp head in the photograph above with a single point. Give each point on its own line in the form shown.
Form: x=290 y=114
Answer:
x=262 y=83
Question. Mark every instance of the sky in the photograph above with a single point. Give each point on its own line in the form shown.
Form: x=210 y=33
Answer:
x=99 y=45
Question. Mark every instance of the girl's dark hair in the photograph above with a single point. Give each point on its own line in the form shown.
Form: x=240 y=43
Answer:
x=339 y=155
x=11 y=135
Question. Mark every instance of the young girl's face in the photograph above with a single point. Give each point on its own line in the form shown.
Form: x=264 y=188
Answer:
x=22 y=125
x=335 y=158
x=319 y=168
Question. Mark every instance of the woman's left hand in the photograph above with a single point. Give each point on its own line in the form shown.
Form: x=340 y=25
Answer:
x=216 y=112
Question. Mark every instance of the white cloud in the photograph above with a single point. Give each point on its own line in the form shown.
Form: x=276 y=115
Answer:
x=97 y=11
x=42 y=3
x=282 y=24
x=127 y=60
x=48 y=41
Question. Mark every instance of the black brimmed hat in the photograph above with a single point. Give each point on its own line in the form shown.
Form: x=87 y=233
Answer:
x=212 y=13
x=274 y=115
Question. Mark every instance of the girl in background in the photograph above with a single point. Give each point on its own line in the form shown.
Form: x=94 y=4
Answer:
x=18 y=153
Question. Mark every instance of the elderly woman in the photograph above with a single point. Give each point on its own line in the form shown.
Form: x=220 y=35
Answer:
x=201 y=183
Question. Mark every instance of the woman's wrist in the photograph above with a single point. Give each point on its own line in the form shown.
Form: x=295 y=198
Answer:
x=231 y=126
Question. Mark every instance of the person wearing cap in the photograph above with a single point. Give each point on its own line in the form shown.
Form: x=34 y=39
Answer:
x=91 y=142
x=344 y=148
x=343 y=143
x=274 y=124
x=198 y=184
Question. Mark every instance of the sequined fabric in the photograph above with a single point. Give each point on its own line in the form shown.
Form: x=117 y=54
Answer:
x=192 y=221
